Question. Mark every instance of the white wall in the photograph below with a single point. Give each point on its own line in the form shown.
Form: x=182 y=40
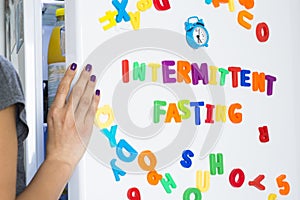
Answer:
x=2 y=28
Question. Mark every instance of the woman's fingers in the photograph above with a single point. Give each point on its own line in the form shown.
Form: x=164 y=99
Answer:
x=64 y=87
x=92 y=109
x=85 y=101
x=80 y=86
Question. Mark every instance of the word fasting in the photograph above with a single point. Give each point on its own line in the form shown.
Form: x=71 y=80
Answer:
x=183 y=106
x=199 y=73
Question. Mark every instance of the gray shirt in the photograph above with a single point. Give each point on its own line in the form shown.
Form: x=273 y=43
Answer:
x=11 y=93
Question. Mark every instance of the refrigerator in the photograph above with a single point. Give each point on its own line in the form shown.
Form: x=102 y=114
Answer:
x=199 y=99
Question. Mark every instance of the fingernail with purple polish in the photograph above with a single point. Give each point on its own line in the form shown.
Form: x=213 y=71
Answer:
x=73 y=66
x=88 y=67
x=98 y=92
x=93 y=78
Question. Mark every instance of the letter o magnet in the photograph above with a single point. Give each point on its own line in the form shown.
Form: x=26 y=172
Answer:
x=262 y=32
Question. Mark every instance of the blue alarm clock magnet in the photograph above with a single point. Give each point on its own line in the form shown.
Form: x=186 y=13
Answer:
x=196 y=33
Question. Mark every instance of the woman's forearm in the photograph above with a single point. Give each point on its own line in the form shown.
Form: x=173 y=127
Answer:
x=49 y=181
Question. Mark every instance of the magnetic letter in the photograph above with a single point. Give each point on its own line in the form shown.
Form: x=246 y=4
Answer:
x=183 y=70
x=172 y=113
x=199 y=73
x=125 y=71
x=139 y=71
x=203 y=185
x=168 y=182
x=144 y=5
x=153 y=177
x=234 y=71
x=208 y=1
x=157 y=111
x=223 y=72
x=164 y=6
x=124 y=145
x=216 y=3
x=134 y=194
x=258 y=81
x=122 y=14
x=234 y=181
x=196 y=193
x=244 y=14
x=154 y=67
x=104 y=110
x=272 y=197
x=263 y=134
x=209 y=114
x=285 y=186
x=233 y=116
x=257 y=182
x=197 y=111
x=111 y=18
x=111 y=135
x=186 y=112
x=216 y=164
x=135 y=20
x=262 y=32
x=245 y=78
x=167 y=71
x=116 y=170
x=152 y=160
x=247 y=3
x=186 y=162
x=270 y=80
x=221 y=113
x=231 y=5
x=213 y=75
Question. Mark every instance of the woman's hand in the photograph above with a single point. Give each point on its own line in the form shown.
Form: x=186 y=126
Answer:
x=70 y=124
x=70 y=120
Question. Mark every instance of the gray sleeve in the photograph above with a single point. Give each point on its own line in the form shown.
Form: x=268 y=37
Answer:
x=11 y=93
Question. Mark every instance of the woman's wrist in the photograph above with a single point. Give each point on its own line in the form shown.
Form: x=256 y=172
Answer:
x=60 y=165
x=50 y=180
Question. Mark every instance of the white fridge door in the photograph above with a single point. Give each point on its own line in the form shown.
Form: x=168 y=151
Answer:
x=199 y=98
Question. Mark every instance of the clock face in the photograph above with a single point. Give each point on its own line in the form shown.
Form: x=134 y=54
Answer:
x=199 y=35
